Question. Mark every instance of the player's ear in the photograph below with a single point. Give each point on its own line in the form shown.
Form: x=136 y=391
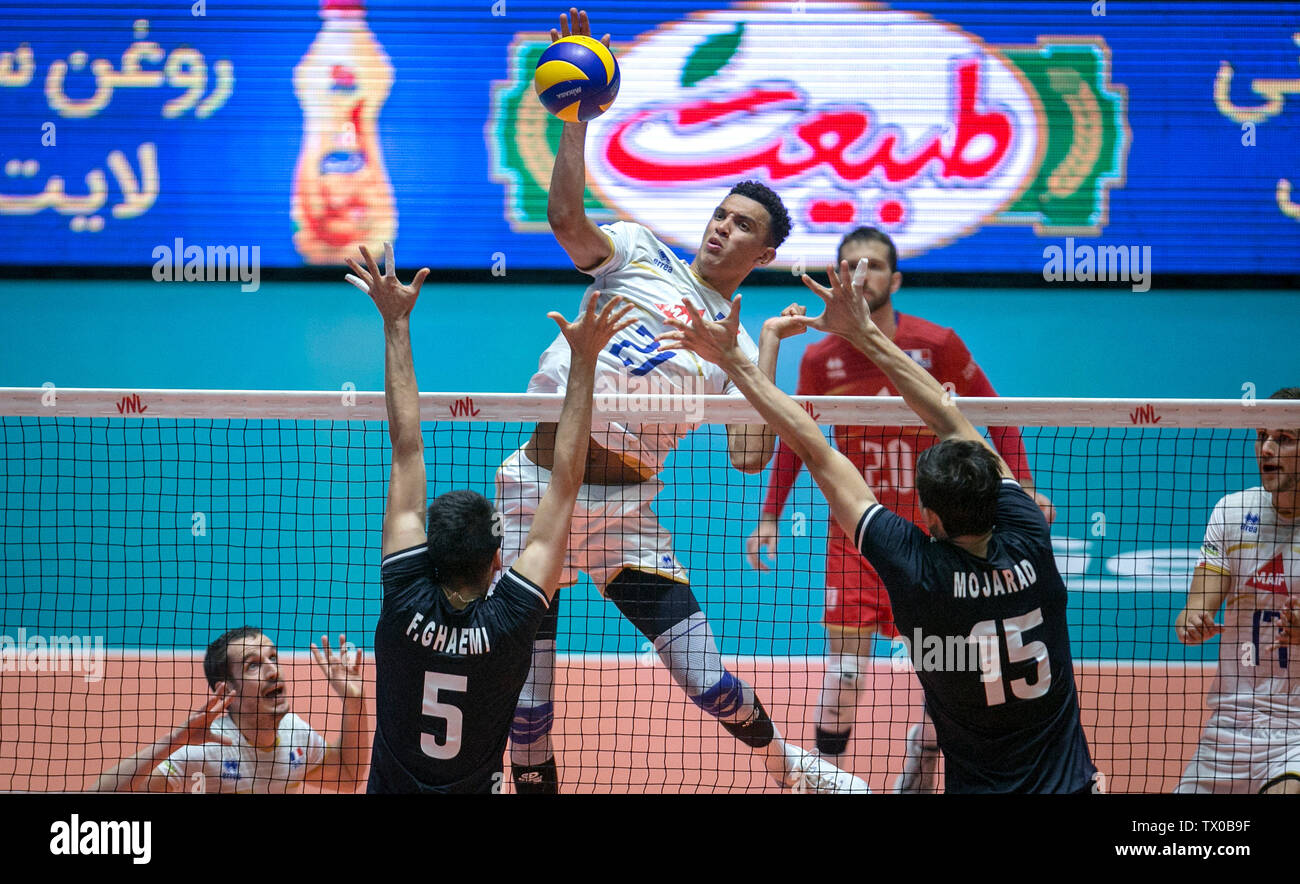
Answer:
x=895 y=282
x=768 y=255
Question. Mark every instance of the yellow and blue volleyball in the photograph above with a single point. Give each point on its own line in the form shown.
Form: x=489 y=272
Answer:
x=577 y=78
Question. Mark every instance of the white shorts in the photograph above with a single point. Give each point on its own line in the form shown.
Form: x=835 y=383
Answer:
x=613 y=526
x=1240 y=760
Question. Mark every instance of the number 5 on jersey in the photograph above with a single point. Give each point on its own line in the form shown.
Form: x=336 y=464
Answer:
x=453 y=684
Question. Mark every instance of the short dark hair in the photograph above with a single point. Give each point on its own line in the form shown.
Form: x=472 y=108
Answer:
x=778 y=227
x=959 y=479
x=869 y=234
x=216 y=662
x=1287 y=393
x=463 y=536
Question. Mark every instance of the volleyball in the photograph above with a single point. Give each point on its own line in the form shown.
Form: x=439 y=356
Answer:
x=576 y=78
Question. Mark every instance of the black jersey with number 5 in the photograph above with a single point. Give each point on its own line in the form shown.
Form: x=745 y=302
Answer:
x=447 y=681
x=990 y=645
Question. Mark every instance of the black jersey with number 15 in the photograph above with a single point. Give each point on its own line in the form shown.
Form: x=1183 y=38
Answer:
x=990 y=645
x=447 y=681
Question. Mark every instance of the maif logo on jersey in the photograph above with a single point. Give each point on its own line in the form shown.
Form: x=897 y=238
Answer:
x=1271 y=577
x=931 y=134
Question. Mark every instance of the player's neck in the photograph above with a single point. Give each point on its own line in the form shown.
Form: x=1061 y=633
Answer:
x=257 y=730
x=1287 y=505
x=725 y=287
x=461 y=596
x=975 y=544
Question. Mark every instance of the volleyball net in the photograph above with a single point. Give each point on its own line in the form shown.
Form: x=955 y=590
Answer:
x=139 y=525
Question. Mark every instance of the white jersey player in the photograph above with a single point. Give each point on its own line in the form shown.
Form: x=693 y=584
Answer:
x=246 y=737
x=616 y=537
x=1250 y=559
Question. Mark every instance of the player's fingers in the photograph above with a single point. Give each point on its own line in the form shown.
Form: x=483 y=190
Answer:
x=817 y=288
x=691 y=310
x=370 y=263
x=859 y=275
x=610 y=306
x=605 y=40
x=317 y=656
x=558 y=319
x=390 y=265
x=622 y=317
x=419 y=280
x=364 y=286
x=360 y=271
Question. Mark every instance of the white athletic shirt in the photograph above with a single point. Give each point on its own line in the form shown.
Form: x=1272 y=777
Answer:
x=648 y=275
x=241 y=768
x=1245 y=541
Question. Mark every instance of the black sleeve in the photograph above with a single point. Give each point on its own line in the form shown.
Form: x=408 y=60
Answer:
x=516 y=606
x=401 y=570
x=893 y=546
x=1018 y=513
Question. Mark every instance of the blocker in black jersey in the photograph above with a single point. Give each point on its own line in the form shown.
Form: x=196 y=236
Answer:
x=447 y=681
x=989 y=641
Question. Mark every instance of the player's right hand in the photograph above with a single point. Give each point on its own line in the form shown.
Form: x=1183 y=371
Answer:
x=590 y=332
x=581 y=26
x=197 y=729
x=1195 y=626
x=393 y=299
x=758 y=544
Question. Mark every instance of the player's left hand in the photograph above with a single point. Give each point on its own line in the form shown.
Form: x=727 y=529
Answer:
x=1288 y=624
x=707 y=338
x=1045 y=504
x=344 y=675
x=394 y=300
x=846 y=312
x=786 y=325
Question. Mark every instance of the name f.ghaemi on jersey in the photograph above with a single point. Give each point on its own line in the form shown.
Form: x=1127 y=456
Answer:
x=946 y=135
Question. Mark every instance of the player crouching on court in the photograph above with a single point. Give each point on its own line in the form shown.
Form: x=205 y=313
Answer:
x=246 y=738
x=985 y=576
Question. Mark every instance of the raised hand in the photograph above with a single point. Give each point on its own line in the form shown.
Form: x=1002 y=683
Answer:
x=590 y=332
x=393 y=299
x=712 y=340
x=197 y=729
x=846 y=312
x=788 y=324
x=581 y=26
x=344 y=676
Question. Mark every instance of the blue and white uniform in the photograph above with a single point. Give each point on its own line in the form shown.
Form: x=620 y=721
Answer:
x=1253 y=735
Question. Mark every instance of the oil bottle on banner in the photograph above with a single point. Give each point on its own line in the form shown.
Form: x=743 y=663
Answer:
x=342 y=197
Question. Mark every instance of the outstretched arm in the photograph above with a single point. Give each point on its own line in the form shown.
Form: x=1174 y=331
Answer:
x=543 y=556
x=138 y=772
x=841 y=483
x=750 y=445
x=847 y=315
x=577 y=234
x=407 y=490
x=345 y=758
x=1195 y=622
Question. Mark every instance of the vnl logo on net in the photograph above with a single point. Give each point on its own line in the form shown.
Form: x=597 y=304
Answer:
x=33 y=652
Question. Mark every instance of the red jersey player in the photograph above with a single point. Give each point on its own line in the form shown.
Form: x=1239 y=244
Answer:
x=857 y=606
